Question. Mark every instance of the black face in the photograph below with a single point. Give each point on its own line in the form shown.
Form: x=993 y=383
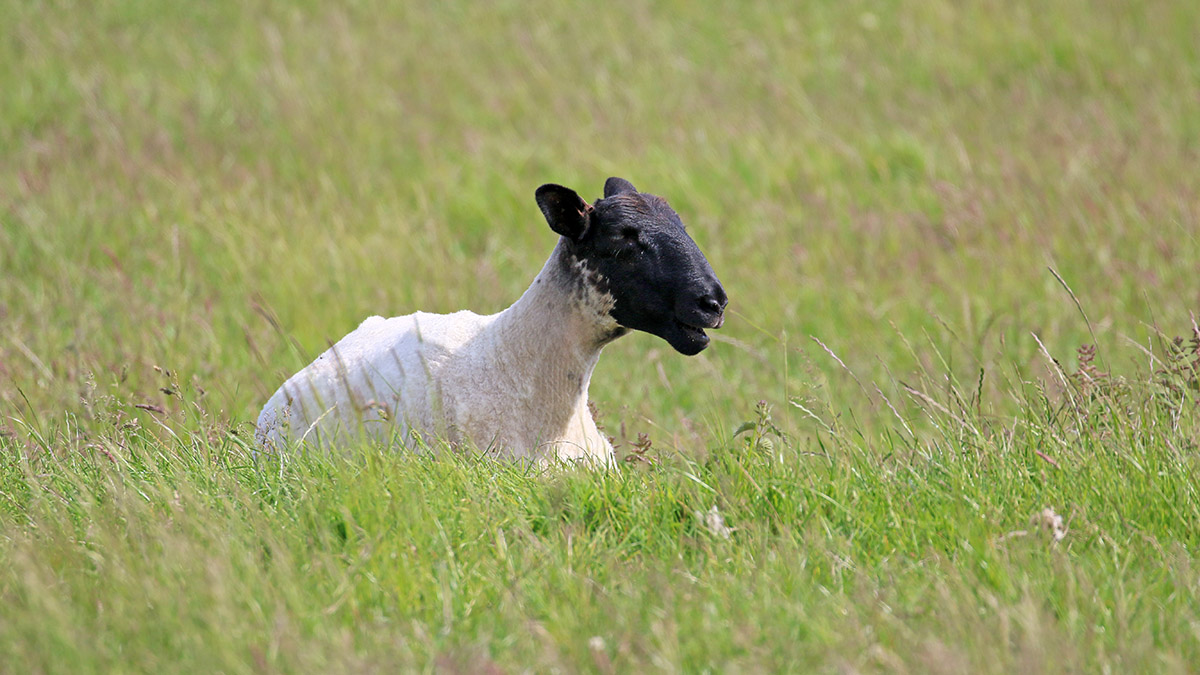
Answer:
x=659 y=280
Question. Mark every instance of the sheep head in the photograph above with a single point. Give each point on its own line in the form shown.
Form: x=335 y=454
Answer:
x=634 y=248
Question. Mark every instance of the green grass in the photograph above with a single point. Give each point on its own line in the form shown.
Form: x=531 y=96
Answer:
x=951 y=198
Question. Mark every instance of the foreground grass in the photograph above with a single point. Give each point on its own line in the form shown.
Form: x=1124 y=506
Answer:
x=142 y=551
x=195 y=198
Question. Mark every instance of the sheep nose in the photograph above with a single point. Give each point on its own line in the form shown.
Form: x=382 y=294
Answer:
x=710 y=304
x=715 y=300
x=714 y=303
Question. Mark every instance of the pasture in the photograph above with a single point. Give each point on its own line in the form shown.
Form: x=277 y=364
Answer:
x=950 y=424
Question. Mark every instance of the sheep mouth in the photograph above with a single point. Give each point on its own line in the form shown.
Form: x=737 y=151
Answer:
x=700 y=327
x=692 y=329
x=689 y=338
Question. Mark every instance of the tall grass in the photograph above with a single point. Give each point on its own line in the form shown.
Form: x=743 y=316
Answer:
x=851 y=548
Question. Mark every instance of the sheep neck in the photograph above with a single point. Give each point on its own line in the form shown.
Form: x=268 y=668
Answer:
x=551 y=337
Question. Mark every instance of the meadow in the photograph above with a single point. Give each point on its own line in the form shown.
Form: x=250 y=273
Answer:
x=951 y=423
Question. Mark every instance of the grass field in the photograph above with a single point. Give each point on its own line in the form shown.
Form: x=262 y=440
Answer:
x=959 y=240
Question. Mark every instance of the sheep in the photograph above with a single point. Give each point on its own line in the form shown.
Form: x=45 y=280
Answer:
x=515 y=383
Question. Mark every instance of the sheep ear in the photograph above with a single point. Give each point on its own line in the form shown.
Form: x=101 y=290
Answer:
x=616 y=186
x=565 y=211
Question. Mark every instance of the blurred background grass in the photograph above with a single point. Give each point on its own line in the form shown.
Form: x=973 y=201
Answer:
x=175 y=173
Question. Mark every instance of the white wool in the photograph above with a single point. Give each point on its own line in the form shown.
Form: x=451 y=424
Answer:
x=513 y=383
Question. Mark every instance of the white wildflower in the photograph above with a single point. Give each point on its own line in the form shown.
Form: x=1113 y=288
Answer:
x=715 y=523
x=1051 y=523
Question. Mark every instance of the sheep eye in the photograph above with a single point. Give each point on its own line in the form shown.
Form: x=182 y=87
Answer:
x=629 y=233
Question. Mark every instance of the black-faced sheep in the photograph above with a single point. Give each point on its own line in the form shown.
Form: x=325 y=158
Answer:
x=516 y=382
